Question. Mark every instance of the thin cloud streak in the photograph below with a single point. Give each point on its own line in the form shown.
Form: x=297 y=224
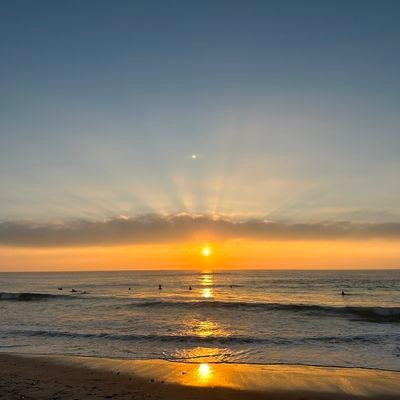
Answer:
x=160 y=229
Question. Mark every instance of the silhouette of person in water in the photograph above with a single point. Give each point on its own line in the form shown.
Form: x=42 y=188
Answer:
x=160 y=287
x=190 y=288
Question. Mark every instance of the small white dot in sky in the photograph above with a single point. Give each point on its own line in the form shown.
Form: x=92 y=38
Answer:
x=194 y=156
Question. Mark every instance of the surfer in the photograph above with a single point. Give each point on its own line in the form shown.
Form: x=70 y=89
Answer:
x=159 y=286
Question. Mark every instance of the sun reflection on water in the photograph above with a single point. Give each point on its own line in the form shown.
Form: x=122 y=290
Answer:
x=206 y=290
x=208 y=328
x=202 y=354
x=206 y=279
x=207 y=293
x=203 y=328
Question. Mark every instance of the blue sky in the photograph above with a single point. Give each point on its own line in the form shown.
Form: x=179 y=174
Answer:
x=291 y=108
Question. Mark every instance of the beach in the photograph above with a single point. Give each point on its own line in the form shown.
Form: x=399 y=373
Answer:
x=68 y=377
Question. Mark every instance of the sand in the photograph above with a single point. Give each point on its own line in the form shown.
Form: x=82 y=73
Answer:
x=63 y=377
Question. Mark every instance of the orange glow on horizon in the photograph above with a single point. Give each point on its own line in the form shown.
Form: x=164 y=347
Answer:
x=229 y=254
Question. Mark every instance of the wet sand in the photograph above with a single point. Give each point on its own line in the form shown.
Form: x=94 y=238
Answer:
x=73 y=378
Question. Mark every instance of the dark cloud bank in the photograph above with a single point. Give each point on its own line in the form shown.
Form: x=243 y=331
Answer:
x=156 y=229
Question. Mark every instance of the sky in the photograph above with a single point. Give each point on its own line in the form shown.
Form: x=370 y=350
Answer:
x=133 y=134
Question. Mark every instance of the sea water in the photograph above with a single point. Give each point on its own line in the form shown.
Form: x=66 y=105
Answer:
x=269 y=316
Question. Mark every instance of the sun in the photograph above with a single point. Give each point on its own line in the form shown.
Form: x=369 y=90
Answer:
x=206 y=251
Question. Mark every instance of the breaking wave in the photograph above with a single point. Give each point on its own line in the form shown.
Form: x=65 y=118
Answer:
x=195 y=339
x=30 y=296
x=375 y=314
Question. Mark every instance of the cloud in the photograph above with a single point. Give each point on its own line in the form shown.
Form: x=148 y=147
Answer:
x=159 y=229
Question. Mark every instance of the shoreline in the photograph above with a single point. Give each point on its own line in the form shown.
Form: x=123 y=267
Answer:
x=183 y=361
x=31 y=376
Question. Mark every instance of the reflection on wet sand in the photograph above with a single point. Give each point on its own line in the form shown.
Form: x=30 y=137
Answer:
x=275 y=381
x=204 y=372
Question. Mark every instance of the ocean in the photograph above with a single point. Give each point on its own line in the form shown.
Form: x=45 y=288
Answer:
x=269 y=316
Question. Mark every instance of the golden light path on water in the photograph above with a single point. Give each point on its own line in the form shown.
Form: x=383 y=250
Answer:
x=203 y=328
x=206 y=282
x=207 y=293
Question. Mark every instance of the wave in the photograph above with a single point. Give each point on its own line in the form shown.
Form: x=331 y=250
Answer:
x=31 y=296
x=374 y=314
x=204 y=340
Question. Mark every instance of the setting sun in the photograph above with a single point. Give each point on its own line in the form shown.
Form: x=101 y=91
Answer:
x=206 y=251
